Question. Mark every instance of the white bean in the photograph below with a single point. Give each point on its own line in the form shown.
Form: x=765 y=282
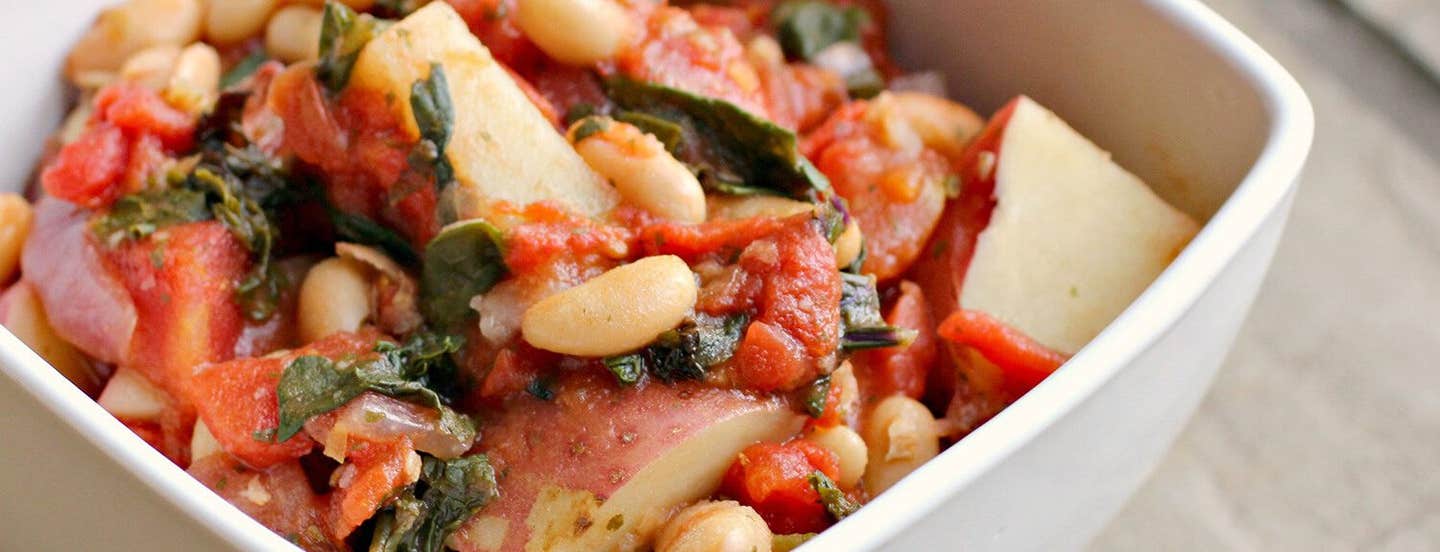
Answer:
x=642 y=171
x=901 y=435
x=25 y=317
x=293 y=34
x=715 y=527
x=194 y=83
x=232 y=21
x=15 y=220
x=843 y=379
x=943 y=125
x=847 y=247
x=121 y=31
x=616 y=312
x=151 y=67
x=575 y=32
x=849 y=449
x=335 y=297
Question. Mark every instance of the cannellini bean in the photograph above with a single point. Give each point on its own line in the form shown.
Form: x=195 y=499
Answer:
x=943 y=125
x=715 y=527
x=202 y=442
x=293 y=34
x=575 y=32
x=843 y=379
x=743 y=207
x=232 y=21
x=642 y=171
x=15 y=220
x=151 y=67
x=616 y=312
x=849 y=449
x=901 y=435
x=131 y=397
x=24 y=316
x=194 y=84
x=847 y=248
x=335 y=297
x=130 y=27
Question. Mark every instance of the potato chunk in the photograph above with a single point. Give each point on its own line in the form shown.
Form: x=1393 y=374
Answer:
x=502 y=148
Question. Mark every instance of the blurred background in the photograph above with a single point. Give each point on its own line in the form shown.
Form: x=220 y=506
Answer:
x=1322 y=432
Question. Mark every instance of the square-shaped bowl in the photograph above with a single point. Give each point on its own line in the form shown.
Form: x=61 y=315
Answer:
x=1182 y=98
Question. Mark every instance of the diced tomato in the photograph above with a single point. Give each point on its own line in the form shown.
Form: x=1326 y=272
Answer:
x=739 y=21
x=546 y=230
x=237 y=400
x=87 y=172
x=773 y=479
x=884 y=372
x=182 y=281
x=564 y=87
x=279 y=498
x=375 y=471
x=769 y=359
x=801 y=96
x=676 y=51
x=359 y=147
x=514 y=369
x=693 y=241
x=1023 y=362
x=140 y=110
x=895 y=195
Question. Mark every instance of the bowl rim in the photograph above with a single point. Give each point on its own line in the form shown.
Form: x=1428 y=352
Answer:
x=1261 y=193
x=1271 y=179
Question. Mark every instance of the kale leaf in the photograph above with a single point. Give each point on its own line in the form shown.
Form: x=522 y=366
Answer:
x=242 y=70
x=435 y=117
x=343 y=34
x=684 y=353
x=805 y=27
x=834 y=499
x=861 y=324
x=733 y=150
x=419 y=371
x=357 y=228
x=463 y=261
x=140 y=214
x=424 y=515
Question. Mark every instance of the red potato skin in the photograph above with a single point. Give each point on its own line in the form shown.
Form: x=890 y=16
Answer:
x=593 y=436
x=773 y=479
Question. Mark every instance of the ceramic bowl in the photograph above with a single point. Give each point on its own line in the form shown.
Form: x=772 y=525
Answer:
x=1179 y=96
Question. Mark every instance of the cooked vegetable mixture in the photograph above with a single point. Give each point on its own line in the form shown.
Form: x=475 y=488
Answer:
x=398 y=275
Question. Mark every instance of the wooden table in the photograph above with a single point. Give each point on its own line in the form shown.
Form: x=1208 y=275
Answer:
x=1323 y=430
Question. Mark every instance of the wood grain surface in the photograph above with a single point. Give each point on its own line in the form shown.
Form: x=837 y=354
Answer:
x=1323 y=430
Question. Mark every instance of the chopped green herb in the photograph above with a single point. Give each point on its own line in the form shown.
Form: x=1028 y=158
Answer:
x=626 y=368
x=861 y=323
x=540 y=388
x=865 y=84
x=839 y=505
x=425 y=514
x=589 y=126
x=579 y=111
x=343 y=34
x=243 y=69
x=397 y=8
x=685 y=353
x=816 y=395
x=463 y=261
x=420 y=371
x=805 y=27
x=140 y=214
x=616 y=521
x=730 y=148
x=435 y=117
x=264 y=435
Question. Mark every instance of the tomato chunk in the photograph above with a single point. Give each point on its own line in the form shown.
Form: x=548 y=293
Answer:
x=885 y=372
x=772 y=479
x=374 y=471
x=1023 y=362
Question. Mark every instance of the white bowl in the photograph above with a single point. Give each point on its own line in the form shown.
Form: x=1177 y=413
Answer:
x=1180 y=97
